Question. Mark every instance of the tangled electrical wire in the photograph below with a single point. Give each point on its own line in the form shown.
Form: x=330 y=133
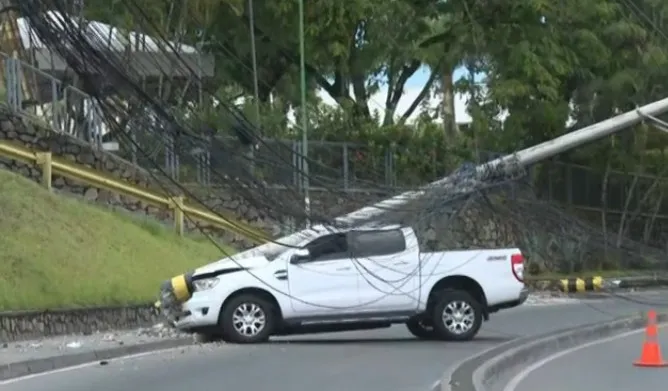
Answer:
x=474 y=208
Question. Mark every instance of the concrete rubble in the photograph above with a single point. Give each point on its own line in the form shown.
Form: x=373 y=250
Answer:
x=11 y=352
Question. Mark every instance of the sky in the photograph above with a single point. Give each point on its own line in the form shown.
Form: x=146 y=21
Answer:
x=411 y=90
x=376 y=102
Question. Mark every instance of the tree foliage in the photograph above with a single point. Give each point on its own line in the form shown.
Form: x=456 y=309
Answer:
x=531 y=70
x=534 y=69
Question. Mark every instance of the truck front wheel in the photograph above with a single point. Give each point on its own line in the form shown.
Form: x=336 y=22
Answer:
x=457 y=316
x=247 y=318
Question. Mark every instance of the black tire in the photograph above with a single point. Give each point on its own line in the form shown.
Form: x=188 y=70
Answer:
x=444 y=329
x=418 y=328
x=230 y=333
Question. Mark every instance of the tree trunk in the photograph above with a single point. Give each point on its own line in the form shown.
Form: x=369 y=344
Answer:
x=451 y=130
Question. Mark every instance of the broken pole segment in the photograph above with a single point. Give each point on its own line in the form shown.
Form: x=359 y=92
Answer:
x=580 y=137
x=523 y=158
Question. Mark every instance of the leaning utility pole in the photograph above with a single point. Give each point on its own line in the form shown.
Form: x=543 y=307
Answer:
x=522 y=158
x=304 y=113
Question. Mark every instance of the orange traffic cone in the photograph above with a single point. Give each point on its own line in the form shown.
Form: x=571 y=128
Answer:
x=651 y=351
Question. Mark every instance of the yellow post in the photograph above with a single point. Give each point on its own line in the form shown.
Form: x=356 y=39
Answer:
x=177 y=205
x=43 y=159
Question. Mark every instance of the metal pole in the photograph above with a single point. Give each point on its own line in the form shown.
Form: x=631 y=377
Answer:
x=524 y=157
x=580 y=137
x=256 y=88
x=302 y=71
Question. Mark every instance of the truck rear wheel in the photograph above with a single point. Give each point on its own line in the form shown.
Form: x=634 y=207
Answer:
x=420 y=329
x=457 y=316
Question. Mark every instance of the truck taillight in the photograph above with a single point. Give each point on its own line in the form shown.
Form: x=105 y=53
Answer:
x=517 y=265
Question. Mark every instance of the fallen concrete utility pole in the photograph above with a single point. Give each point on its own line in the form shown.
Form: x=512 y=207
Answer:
x=524 y=157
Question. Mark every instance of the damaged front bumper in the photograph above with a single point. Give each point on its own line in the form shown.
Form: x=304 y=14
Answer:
x=184 y=308
x=173 y=293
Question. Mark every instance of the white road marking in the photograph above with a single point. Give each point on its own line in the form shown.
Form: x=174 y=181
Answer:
x=517 y=379
x=89 y=364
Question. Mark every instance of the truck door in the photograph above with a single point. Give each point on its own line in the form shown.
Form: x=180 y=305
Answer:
x=390 y=275
x=327 y=282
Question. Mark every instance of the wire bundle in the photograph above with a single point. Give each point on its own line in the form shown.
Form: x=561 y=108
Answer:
x=133 y=114
x=475 y=207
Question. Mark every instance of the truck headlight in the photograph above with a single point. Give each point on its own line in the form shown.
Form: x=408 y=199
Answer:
x=204 y=284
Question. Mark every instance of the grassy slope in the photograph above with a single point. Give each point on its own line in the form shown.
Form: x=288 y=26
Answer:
x=56 y=251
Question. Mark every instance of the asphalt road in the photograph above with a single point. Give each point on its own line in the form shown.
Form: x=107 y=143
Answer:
x=388 y=360
x=601 y=367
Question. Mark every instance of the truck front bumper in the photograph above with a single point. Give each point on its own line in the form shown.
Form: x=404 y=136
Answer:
x=173 y=294
x=198 y=312
x=184 y=308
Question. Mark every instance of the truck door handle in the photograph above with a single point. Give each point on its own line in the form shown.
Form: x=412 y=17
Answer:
x=342 y=269
x=401 y=263
x=281 y=275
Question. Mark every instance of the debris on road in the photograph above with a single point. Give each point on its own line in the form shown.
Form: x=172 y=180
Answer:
x=70 y=344
x=549 y=298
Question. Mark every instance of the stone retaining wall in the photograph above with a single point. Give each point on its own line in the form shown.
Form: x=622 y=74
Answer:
x=474 y=228
x=24 y=325
x=219 y=199
x=437 y=228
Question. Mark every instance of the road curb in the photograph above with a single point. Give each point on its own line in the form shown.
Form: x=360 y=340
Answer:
x=639 y=282
x=477 y=372
x=623 y=293
x=593 y=284
x=31 y=367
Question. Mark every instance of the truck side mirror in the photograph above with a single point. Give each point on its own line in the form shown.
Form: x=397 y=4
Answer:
x=300 y=256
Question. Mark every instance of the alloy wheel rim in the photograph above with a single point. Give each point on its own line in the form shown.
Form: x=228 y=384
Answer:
x=249 y=319
x=458 y=317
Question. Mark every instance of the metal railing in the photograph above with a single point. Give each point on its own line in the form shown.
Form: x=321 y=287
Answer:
x=69 y=110
x=57 y=104
x=340 y=165
x=177 y=205
x=582 y=186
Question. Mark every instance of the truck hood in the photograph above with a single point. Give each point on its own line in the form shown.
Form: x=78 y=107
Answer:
x=232 y=263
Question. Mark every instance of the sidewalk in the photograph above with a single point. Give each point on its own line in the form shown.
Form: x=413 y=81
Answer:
x=28 y=357
x=549 y=298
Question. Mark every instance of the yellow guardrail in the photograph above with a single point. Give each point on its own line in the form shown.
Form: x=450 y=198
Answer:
x=53 y=165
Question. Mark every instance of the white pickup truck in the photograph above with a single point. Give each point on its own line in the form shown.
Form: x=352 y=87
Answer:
x=347 y=280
